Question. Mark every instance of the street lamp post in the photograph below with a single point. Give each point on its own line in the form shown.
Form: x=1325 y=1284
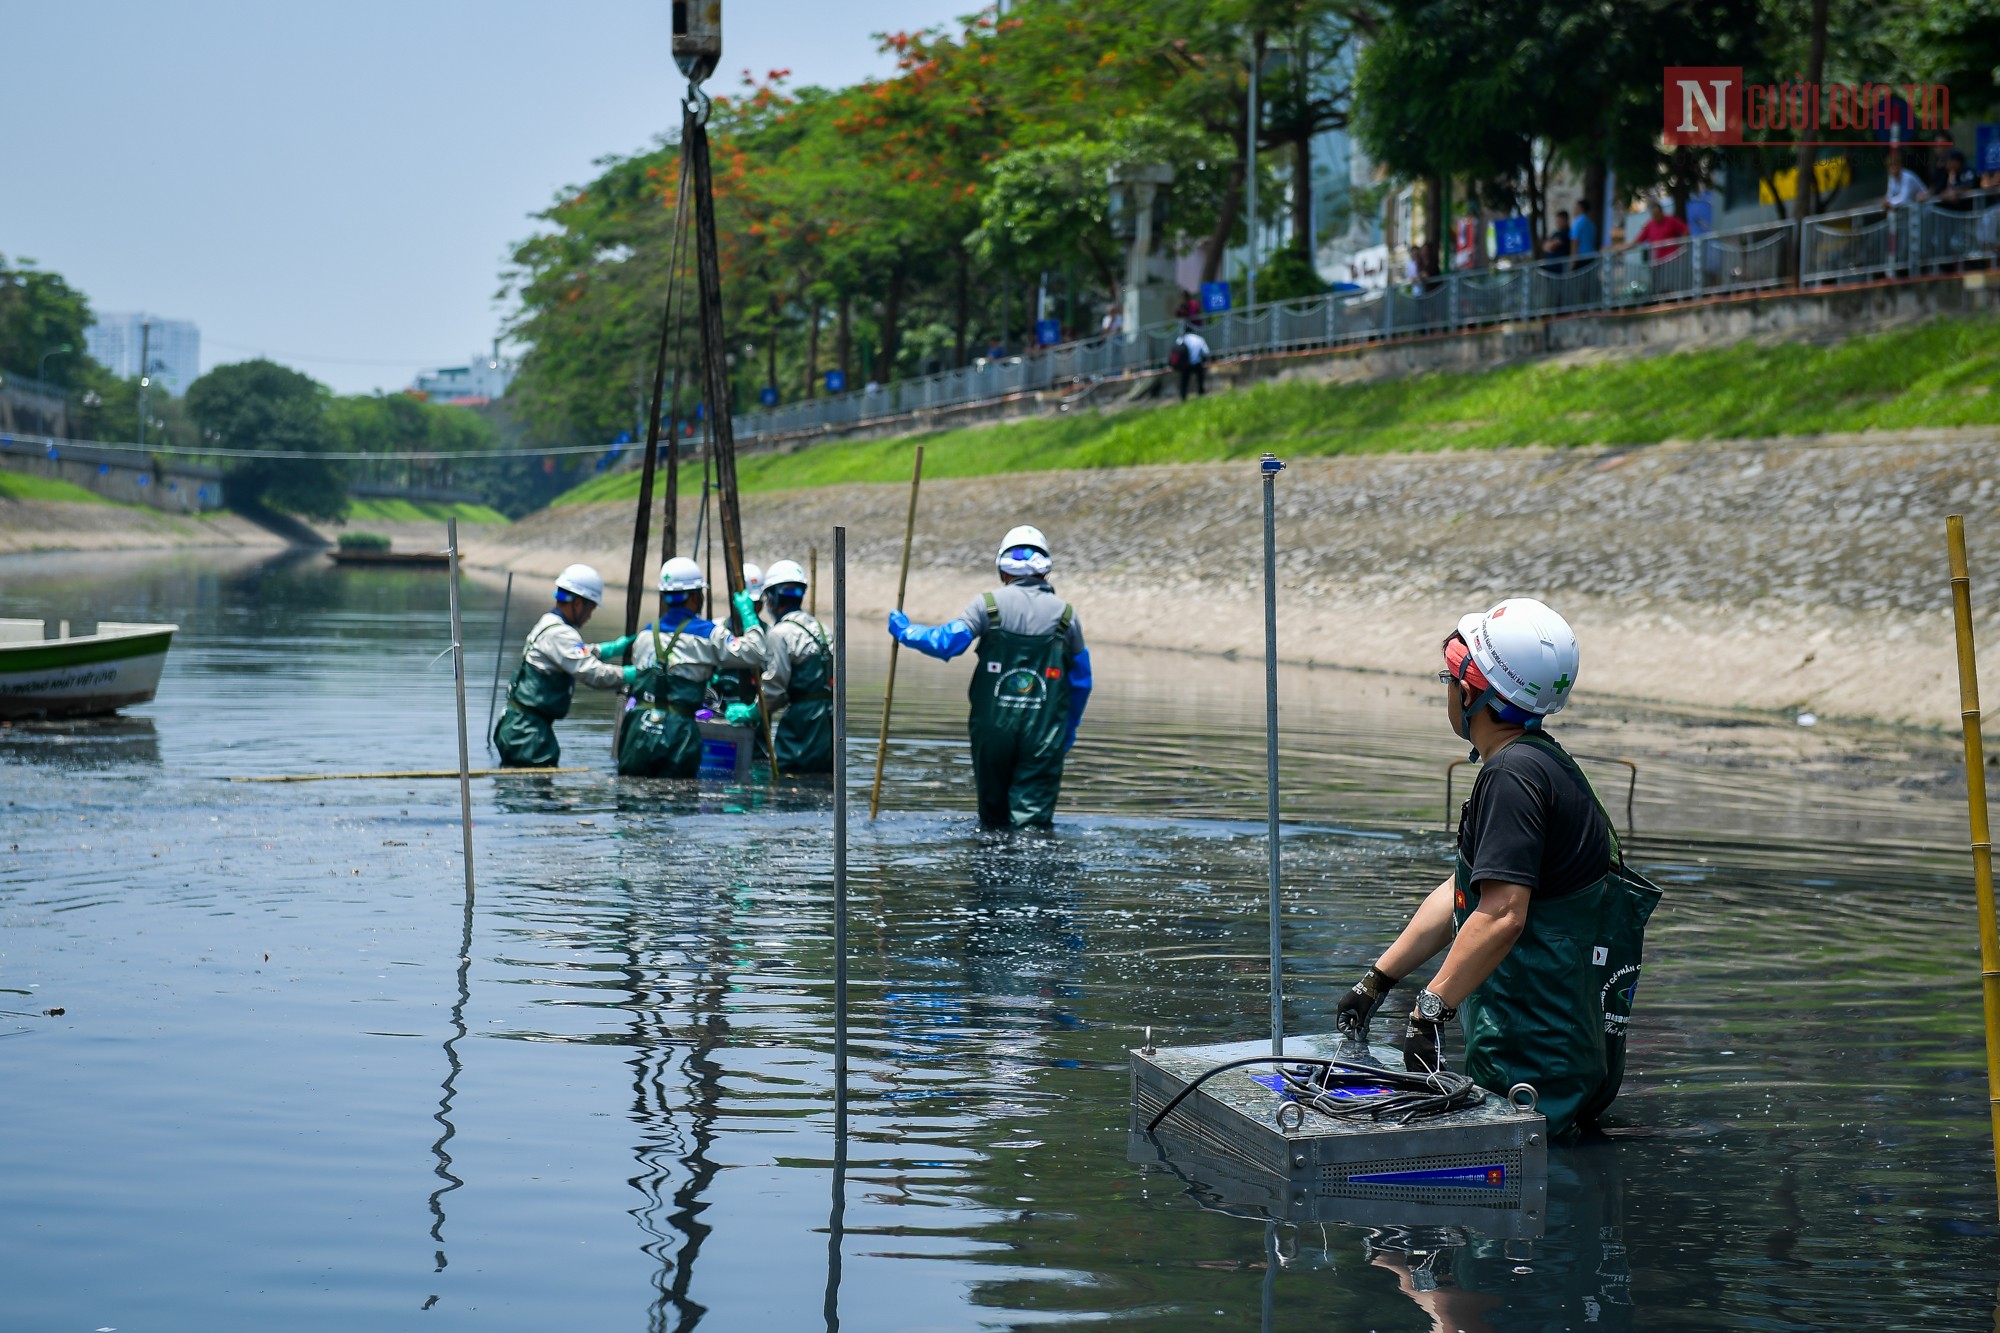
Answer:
x=42 y=371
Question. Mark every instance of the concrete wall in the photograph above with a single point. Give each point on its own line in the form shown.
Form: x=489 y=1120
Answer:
x=32 y=409
x=177 y=488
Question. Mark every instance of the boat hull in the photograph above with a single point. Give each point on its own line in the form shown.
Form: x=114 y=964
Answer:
x=81 y=677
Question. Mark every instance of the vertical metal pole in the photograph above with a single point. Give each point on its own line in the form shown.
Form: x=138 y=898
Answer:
x=1975 y=795
x=840 y=814
x=1271 y=466
x=499 y=655
x=458 y=685
x=902 y=586
x=812 y=581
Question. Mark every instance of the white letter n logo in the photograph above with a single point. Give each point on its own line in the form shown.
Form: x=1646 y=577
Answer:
x=1714 y=113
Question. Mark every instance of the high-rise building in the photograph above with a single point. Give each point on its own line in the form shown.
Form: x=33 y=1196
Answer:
x=171 y=346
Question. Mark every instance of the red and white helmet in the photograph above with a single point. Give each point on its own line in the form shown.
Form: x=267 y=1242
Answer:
x=1526 y=652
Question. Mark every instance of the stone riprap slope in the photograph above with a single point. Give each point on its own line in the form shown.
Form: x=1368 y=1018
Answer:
x=1802 y=573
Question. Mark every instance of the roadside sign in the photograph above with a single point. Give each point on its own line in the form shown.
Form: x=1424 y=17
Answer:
x=768 y=395
x=1214 y=297
x=1048 y=332
x=1511 y=237
x=1988 y=151
x=836 y=381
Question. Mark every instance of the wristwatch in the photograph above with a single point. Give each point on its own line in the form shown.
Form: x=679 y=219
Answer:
x=1432 y=1009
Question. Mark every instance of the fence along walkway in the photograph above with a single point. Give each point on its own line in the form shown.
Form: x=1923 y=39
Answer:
x=1862 y=245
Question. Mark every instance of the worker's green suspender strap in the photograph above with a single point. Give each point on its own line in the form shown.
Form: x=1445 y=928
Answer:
x=804 y=734
x=659 y=736
x=1553 y=1014
x=525 y=735
x=1020 y=715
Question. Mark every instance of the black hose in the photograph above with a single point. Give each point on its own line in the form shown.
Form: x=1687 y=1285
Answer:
x=1411 y=1096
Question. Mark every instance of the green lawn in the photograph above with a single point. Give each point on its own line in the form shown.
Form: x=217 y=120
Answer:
x=1942 y=373
x=26 y=486
x=361 y=510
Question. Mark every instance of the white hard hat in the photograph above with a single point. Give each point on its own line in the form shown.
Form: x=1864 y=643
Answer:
x=681 y=574
x=753 y=579
x=1025 y=535
x=1527 y=653
x=786 y=573
x=582 y=581
x=1024 y=552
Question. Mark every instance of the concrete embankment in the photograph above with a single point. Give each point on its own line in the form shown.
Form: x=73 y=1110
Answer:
x=62 y=525
x=1802 y=574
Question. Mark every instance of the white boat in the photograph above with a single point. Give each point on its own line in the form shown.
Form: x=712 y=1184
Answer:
x=88 y=674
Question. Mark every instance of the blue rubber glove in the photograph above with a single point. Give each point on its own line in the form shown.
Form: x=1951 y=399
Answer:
x=1079 y=694
x=943 y=642
x=613 y=648
x=740 y=715
x=746 y=608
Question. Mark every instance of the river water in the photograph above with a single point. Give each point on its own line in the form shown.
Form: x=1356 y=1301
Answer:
x=296 y=1084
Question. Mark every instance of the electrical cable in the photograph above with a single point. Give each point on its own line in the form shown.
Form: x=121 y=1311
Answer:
x=57 y=442
x=1375 y=1092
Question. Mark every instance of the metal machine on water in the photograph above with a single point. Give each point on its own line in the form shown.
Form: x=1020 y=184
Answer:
x=1330 y=1128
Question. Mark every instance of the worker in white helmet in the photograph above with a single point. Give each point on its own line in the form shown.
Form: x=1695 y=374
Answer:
x=1542 y=925
x=1029 y=689
x=677 y=658
x=553 y=661
x=798 y=675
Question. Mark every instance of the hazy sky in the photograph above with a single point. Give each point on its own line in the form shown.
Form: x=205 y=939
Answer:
x=337 y=186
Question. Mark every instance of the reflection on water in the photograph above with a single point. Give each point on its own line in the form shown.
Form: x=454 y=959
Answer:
x=282 y=1031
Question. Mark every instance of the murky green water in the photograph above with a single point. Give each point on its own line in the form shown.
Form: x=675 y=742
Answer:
x=296 y=1086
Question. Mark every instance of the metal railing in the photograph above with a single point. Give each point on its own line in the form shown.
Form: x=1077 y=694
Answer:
x=1861 y=245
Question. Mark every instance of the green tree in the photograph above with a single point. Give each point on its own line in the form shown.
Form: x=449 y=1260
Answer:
x=265 y=407
x=40 y=314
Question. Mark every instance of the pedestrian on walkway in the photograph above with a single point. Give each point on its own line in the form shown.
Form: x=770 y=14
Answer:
x=1190 y=358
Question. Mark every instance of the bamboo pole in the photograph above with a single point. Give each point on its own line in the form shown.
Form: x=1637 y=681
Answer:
x=499 y=659
x=458 y=687
x=902 y=585
x=413 y=775
x=1982 y=838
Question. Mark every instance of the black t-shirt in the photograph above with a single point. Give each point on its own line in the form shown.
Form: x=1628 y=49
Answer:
x=1530 y=822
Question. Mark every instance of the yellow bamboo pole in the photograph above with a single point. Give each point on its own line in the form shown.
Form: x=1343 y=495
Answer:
x=1982 y=838
x=902 y=585
x=413 y=775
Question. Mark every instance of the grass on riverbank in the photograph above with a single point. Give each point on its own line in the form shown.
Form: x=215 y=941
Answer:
x=27 y=486
x=1941 y=373
x=378 y=510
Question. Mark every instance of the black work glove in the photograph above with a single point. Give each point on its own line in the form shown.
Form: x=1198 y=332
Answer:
x=1358 y=1006
x=1423 y=1046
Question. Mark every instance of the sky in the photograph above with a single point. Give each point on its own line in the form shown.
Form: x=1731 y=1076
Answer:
x=338 y=186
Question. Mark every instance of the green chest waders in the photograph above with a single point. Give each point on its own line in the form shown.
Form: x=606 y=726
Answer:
x=1554 y=1013
x=525 y=735
x=1020 y=717
x=804 y=734
x=658 y=736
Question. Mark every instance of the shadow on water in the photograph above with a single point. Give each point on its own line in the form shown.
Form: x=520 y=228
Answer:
x=115 y=742
x=454 y=1067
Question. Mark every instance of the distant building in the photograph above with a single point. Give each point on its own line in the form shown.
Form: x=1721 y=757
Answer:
x=173 y=346
x=480 y=380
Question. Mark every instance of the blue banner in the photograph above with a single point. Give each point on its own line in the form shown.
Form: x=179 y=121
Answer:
x=768 y=395
x=1511 y=237
x=1048 y=332
x=836 y=381
x=1215 y=297
x=1988 y=152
